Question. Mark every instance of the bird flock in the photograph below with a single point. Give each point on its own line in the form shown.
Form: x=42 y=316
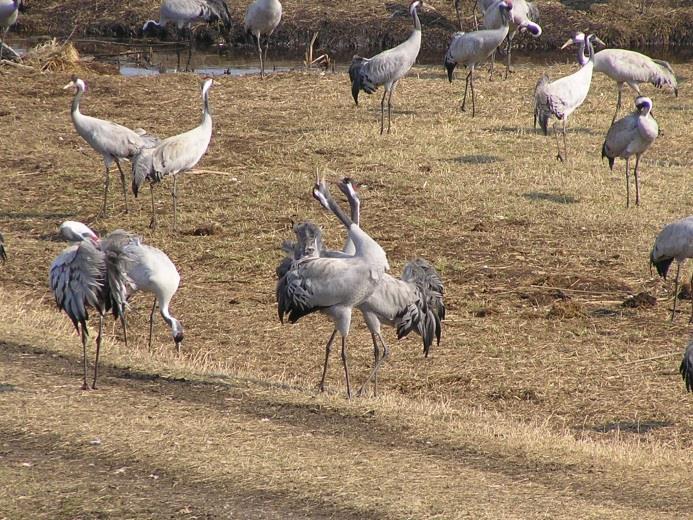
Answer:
x=100 y=274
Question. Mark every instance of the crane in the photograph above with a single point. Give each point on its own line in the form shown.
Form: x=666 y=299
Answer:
x=629 y=136
x=90 y=274
x=333 y=286
x=523 y=17
x=262 y=17
x=148 y=270
x=629 y=67
x=469 y=49
x=9 y=9
x=562 y=96
x=3 y=253
x=686 y=367
x=173 y=155
x=186 y=12
x=387 y=68
x=113 y=141
x=674 y=242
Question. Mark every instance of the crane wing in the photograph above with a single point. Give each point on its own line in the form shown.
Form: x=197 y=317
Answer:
x=686 y=367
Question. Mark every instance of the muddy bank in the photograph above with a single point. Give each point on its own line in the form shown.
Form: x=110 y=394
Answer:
x=367 y=25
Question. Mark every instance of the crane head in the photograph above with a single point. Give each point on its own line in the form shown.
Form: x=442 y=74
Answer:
x=643 y=103
x=577 y=38
x=76 y=83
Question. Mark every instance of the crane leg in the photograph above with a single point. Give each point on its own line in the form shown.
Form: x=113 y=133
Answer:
x=627 y=182
x=378 y=362
x=676 y=289
x=2 y=40
x=637 y=181
x=471 y=84
x=382 y=113
x=174 y=194
x=122 y=181
x=466 y=84
x=345 y=362
x=565 y=145
x=618 y=102
x=151 y=324
x=558 y=142
x=376 y=356
x=98 y=348
x=84 y=333
x=125 y=328
x=152 y=222
x=389 y=107
x=328 y=349
x=492 y=67
x=690 y=294
x=103 y=212
x=267 y=39
x=259 y=53
x=508 y=69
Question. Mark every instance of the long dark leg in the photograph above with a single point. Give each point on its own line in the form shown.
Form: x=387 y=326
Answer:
x=267 y=39
x=151 y=324
x=180 y=41
x=492 y=67
x=382 y=113
x=122 y=181
x=627 y=182
x=507 y=65
x=152 y=222
x=559 y=156
x=618 y=102
x=676 y=289
x=98 y=348
x=690 y=294
x=471 y=84
x=389 y=107
x=85 y=336
x=259 y=53
x=328 y=349
x=345 y=362
x=105 y=193
x=374 y=371
x=637 y=181
x=565 y=145
x=376 y=356
x=125 y=329
x=175 y=204
x=466 y=84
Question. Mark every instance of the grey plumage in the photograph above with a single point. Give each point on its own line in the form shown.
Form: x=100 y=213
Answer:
x=674 y=242
x=186 y=12
x=261 y=18
x=9 y=10
x=470 y=49
x=333 y=286
x=630 y=68
x=113 y=141
x=563 y=96
x=173 y=155
x=631 y=135
x=3 y=253
x=686 y=367
x=91 y=274
x=387 y=68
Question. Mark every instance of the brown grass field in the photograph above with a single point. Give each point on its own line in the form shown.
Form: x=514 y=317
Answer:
x=547 y=398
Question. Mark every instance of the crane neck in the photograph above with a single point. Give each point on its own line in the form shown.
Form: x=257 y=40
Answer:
x=415 y=16
x=76 y=100
x=581 y=57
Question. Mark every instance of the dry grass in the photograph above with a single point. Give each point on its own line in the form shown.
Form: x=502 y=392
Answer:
x=535 y=395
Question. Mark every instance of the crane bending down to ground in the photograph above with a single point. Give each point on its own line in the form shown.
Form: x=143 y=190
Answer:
x=523 y=17
x=186 y=12
x=262 y=18
x=333 y=286
x=173 y=155
x=387 y=68
x=91 y=274
x=629 y=136
x=114 y=142
x=686 y=367
x=9 y=9
x=412 y=302
x=148 y=270
x=560 y=98
x=674 y=242
x=470 y=49
x=628 y=67
x=3 y=253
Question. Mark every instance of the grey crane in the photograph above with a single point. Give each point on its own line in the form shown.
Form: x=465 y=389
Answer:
x=113 y=141
x=333 y=286
x=523 y=17
x=674 y=242
x=173 y=155
x=628 y=68
x=91 y=274
x=148 y=270
x=3 y=253
x=629 y=136
x=387 y=68
x=470 y=49
x=9 y=9
x=186 y=12
x=561 y=97
x=686 y=367
x=262 y=18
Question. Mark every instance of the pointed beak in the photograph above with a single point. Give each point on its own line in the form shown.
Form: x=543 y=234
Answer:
x=597 y=40
x=70 y=84
x=566 y=44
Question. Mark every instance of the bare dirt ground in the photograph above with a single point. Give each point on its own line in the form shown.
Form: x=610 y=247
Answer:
x=547 y=398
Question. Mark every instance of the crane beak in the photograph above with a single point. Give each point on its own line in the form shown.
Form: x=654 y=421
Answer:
x=597 y=40
x=70 y=84
x=566 y=44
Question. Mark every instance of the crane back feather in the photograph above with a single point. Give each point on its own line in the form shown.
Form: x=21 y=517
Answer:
x=686 y=367
x=3 y=254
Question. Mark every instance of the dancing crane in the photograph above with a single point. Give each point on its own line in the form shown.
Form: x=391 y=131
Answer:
x=628 y=67
x=262 y=17
x=173 y=155
x=629 y=136
x=111 y=140
x=9 y=9
x=471 y=48
x=387 y=68
x=674 y=242
x=561 y=97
